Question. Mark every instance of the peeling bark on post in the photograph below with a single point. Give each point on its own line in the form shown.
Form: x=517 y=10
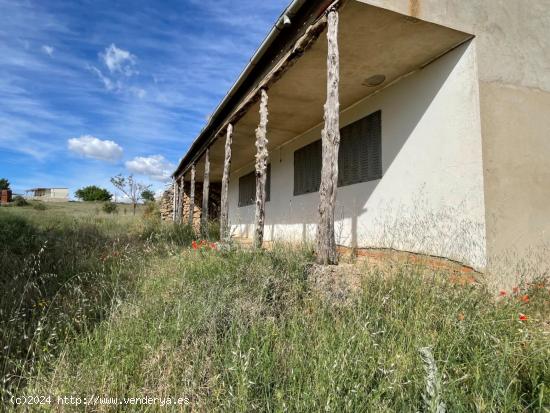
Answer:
x=261 y=168
x=179 y=201
x=205 y=190
x=192 y=197
x=174 y=200
x=224 y=210
x=326 y=243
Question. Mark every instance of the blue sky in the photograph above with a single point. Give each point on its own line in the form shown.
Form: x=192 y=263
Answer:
x=91 y=89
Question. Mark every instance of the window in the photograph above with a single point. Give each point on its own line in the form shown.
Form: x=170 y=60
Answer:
x=360 y=154
x=247 y=188
x=359 y=157
x=307 y=168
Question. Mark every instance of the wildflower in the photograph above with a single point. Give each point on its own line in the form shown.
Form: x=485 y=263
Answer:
x=461 y=317
x=522 y=317
x=194 y=245
x=525 y=298
x=502 y=293
x=213 y=245
x=515 y=290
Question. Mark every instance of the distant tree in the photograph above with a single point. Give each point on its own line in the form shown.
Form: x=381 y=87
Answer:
x=148 y=195
x=93 y=193
x=131 y=188
x=4 y=183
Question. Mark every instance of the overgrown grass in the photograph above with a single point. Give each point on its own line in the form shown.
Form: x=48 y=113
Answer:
x=59 y=277
x=247 y=331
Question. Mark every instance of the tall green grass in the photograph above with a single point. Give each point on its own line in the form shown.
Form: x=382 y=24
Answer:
x=60 y=276
x=238 y=330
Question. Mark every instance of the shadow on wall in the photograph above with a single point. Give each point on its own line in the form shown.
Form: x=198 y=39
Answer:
x=407 y=102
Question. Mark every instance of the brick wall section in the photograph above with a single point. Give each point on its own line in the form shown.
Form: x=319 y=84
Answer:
x=167 y=203
x=5 y=196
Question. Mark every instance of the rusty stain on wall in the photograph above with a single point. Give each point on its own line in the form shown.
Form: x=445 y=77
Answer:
x=414 y=8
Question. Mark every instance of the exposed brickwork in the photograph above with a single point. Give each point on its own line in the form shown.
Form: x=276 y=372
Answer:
x=5 y=196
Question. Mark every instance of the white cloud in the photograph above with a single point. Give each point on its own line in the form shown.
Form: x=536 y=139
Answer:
x=155 y=167
x=48 y=50
x=108 y=83
x=119 y=60
x=92 y=147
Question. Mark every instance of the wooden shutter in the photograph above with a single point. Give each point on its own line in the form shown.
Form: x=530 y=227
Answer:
x=360 y=155
x=307 y=168
x=247 y=188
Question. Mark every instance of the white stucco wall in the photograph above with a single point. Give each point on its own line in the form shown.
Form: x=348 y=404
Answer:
x=430 y=199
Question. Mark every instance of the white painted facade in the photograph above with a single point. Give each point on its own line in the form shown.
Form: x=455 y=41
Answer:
x=431 y=197
x=49 y=194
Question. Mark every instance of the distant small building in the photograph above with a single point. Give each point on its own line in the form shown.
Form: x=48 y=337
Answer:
x=48 y=194
x=5 y=196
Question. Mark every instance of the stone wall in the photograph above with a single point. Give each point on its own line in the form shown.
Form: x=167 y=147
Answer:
x=167 y=203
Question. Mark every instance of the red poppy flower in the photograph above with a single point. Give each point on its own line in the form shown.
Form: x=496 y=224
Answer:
x=525 y=298
x=502 y=293
x=522 y=317
x=213 y=246
x=194 y=245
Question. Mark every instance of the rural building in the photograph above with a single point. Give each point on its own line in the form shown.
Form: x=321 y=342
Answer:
x=442 y=110
x=5 y=196
x=48 y=194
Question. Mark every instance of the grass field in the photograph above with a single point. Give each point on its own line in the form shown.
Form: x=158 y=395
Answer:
x=119 y=306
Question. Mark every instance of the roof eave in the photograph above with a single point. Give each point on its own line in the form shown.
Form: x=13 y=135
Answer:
x=264 y=56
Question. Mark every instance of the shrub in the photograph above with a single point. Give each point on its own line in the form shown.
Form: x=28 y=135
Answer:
x=93 y=193
x=39 y=206
x=151 y=210
x=19 y=201
x=110 y=207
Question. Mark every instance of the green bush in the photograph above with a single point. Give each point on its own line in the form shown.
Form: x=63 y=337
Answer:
x=93 y=193
x=110 y=207
x=19 y=201
x=39 y=206
x=151 y=210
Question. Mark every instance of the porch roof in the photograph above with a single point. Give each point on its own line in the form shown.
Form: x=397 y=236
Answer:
x=373 y=41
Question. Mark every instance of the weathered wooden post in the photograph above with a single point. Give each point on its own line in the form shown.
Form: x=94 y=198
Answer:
x=326 y=243
x=180 y=201
x=192 y=196
x=205 y=190
x=174 y=191
x=261 y=168
x=224 y=213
